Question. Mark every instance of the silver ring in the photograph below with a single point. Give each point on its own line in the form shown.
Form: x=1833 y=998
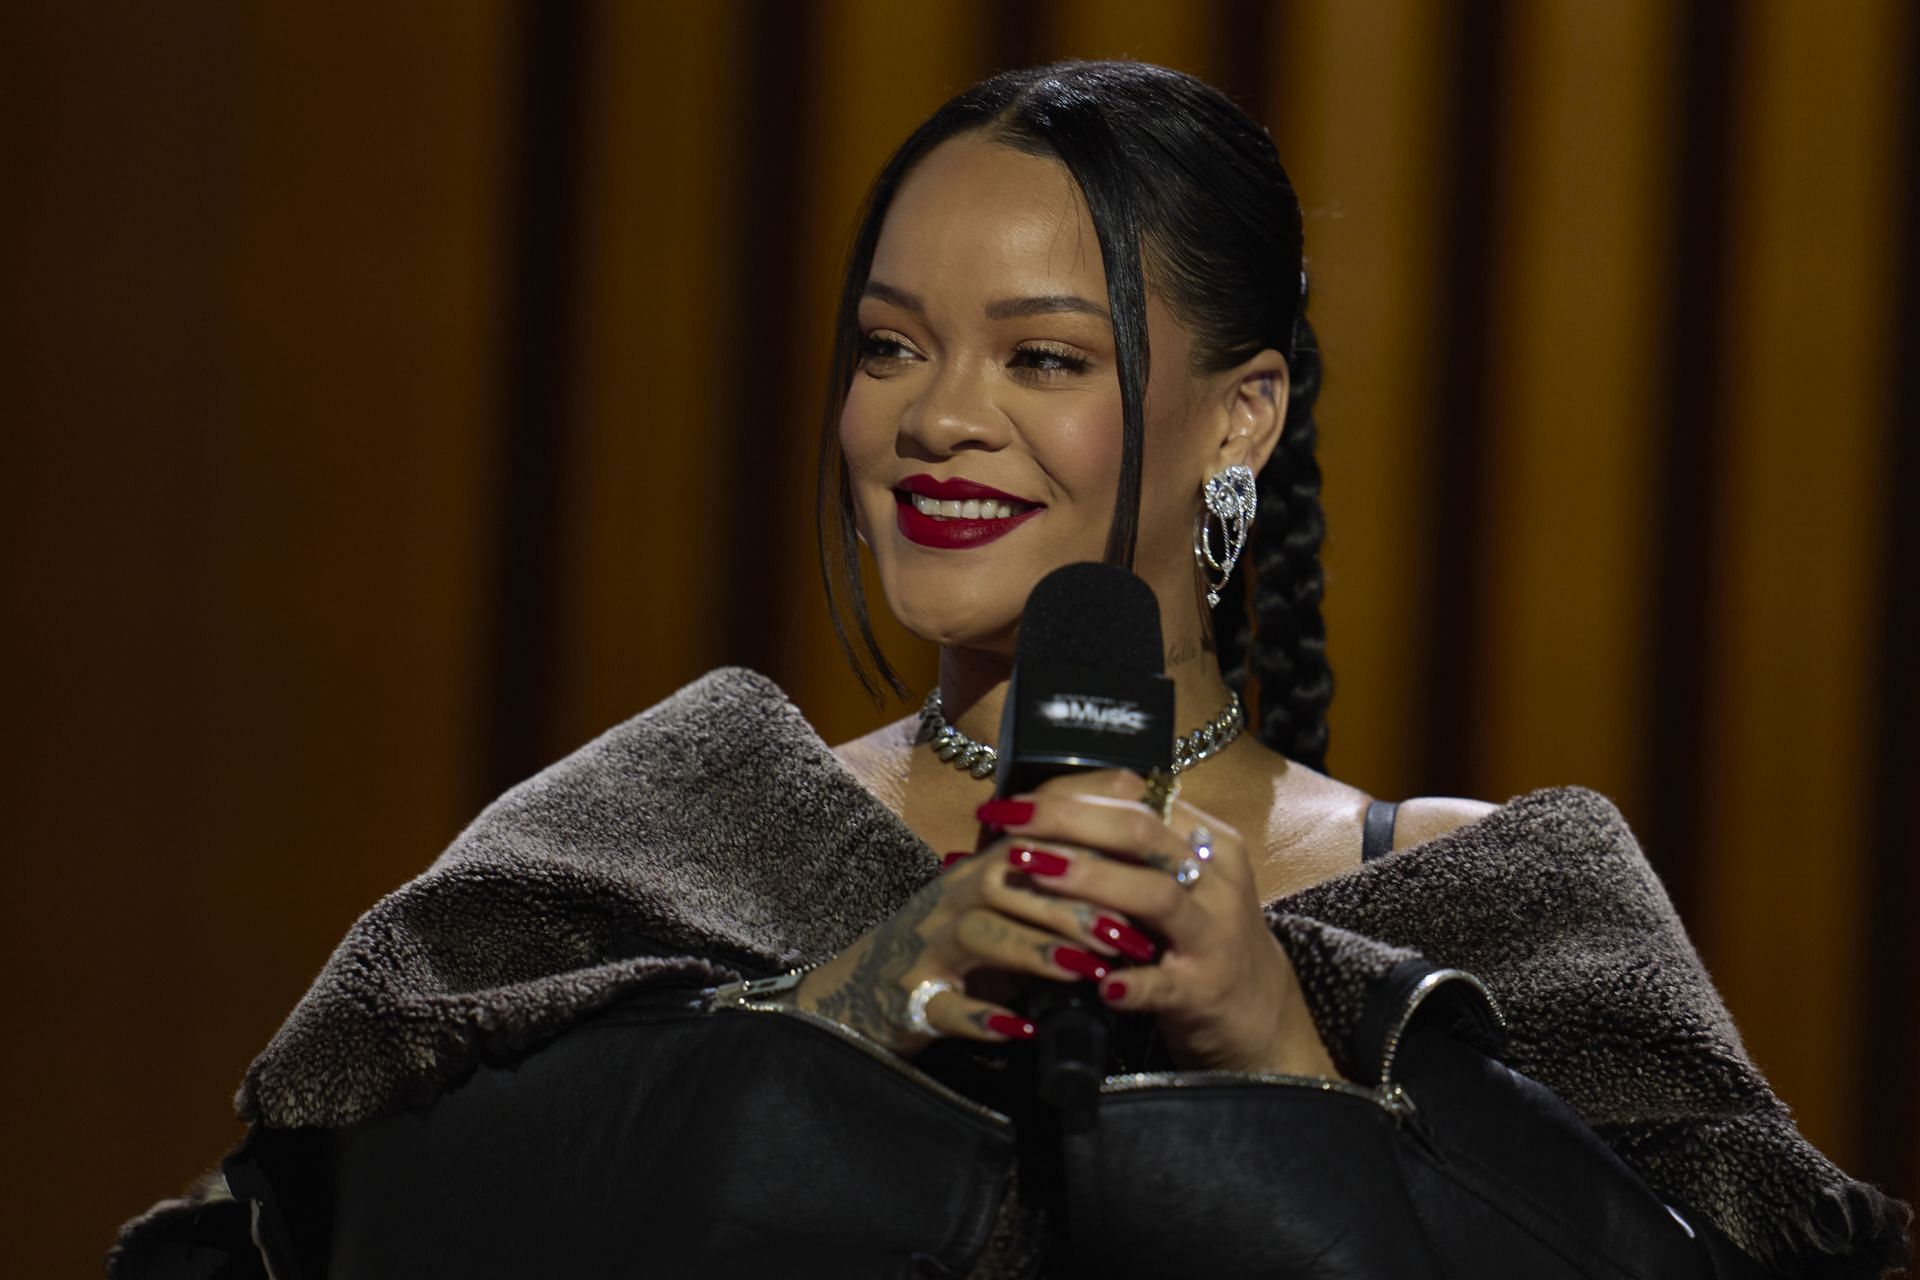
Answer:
x=917 y=1005
x=1201 y=842
x=1188 y=872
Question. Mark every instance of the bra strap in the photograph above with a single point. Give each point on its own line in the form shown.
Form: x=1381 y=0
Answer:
x=1376 y=838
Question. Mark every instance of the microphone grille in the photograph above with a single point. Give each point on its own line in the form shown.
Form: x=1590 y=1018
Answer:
x=1092 y=615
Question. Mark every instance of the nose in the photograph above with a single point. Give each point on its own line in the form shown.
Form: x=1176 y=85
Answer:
x=953 y=411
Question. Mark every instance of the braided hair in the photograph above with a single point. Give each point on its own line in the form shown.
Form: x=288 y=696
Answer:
x=1183 y=188
x=1287 y=654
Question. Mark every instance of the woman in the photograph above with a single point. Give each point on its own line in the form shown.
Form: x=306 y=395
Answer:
x=558 y=987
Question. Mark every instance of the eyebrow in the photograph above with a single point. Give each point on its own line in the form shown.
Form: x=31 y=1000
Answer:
x=1001 y=309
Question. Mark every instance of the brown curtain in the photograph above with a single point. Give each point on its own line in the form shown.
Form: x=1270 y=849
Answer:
x=395 y=396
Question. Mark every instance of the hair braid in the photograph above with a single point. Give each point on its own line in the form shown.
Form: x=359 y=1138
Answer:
x=1288 y=654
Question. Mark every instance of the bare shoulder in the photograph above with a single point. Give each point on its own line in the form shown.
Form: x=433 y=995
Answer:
x=1430 y=817
x=880 y=759
x=884 y=743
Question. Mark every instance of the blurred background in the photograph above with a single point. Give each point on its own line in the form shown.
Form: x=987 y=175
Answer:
x=397 y=395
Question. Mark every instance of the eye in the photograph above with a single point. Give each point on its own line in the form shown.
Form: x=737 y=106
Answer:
x=1047 y=361
x=880 y=349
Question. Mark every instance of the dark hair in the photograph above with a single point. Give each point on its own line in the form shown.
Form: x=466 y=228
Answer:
x=1183 y=184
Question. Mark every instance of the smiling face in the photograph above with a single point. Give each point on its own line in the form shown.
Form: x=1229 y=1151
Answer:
x=988 y=375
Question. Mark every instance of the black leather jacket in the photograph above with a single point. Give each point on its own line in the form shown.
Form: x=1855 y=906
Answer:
x=662 y=1138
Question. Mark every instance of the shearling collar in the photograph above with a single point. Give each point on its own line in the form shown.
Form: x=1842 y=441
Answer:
x=715 y=835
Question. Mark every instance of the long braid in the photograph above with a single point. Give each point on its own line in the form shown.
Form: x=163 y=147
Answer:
x=1289 y=651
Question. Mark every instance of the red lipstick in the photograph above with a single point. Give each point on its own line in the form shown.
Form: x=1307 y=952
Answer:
x=954 y=532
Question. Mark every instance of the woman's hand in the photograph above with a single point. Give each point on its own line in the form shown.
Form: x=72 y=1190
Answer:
x=1057 y=896
x=1223 y=990
x=980 y=914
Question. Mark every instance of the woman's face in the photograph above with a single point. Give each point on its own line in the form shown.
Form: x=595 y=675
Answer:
x=982 y=430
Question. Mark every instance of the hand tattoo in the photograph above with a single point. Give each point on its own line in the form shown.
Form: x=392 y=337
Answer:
x=871 y=1000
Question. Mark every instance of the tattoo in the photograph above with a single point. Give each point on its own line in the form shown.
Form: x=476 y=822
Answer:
x=1083 y=914
x=1185 y=649
x=871 y=1000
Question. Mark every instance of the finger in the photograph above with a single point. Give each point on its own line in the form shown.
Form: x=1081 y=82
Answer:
x=1170 y=849
x=1117 y=784
x=1148 y=899
x=1223 y=841
x=954 y=1013
x=1105 y=931
x=989 y=939
x=1144 y=989
x=1112 y=826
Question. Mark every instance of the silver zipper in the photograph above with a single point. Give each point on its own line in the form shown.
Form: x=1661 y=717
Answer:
x=873 y=1048
x=1427 y=985
x=1390 y=1098
x=1388 y=1095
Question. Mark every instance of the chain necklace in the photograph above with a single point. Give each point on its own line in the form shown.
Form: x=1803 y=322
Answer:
x=979 y=759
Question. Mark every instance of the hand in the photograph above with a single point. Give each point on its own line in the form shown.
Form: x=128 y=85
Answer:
x=983 y=916
x=1224 y=990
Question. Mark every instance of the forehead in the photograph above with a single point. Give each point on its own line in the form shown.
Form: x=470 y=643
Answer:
x=975 y=218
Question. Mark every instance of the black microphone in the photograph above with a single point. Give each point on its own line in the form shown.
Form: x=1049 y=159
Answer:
x=1089 y=691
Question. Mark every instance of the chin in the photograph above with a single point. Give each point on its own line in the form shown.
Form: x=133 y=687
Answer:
x=944 y=611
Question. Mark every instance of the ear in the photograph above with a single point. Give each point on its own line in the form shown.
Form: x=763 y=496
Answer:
x=1254 y=405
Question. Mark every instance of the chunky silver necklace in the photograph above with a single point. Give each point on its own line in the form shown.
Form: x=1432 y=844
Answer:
x=979 y=759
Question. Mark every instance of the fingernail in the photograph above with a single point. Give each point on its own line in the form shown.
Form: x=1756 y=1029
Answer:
x=1133 y=944
x=1005 y=813
x=948 y=859
x=1013 y=1028
x=1084 y=963
x=1113 y=990
x=1037 y=861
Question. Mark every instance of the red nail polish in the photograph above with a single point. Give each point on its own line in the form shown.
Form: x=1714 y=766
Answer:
x=1133 y=944
x=1084 y=963
x=1005 y=813
x=1113 y=990
x=1013 y=1028
x=948 y=859
x=1039 y=862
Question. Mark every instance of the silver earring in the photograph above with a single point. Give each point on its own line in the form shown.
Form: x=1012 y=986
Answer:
x=1230 y=496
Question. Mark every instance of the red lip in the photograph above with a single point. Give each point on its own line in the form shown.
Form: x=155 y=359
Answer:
x=954 y=534
x=927 y=486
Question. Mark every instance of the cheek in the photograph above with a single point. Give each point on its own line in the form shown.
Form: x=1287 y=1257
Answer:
x=866 y=442
x=857 y=429
x=1168 y=495
x=1083 y=449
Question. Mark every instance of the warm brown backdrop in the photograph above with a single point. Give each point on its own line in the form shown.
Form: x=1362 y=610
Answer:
x=396 y=395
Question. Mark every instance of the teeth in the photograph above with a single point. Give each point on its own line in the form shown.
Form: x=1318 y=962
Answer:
x=970 y=509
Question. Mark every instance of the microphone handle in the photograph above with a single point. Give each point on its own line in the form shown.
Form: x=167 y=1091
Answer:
x=1073 y=1030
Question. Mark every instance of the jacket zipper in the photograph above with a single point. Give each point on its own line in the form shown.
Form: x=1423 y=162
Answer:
x=874 y=1049
x=1388 y=1095
x=1428 y=984
x=1394 y=1100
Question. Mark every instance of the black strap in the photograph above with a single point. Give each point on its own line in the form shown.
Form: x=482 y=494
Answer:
x=1376 y=839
